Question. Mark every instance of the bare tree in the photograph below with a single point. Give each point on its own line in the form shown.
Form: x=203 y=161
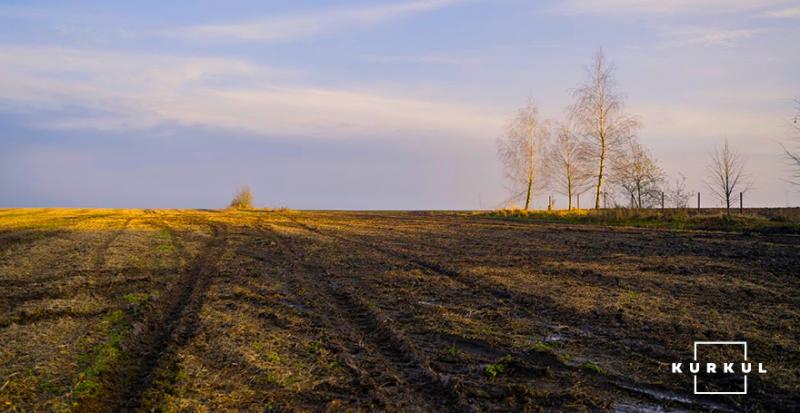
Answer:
x=566 y=164
x=677 y=193
x=243 y=198
x=521 y=152
x=638 y=175
x=794 y=157
x=726 y=174
x=599 y=113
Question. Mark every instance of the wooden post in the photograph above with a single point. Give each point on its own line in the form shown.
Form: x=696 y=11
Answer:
x=698 y=201
x=741 y=203
x=662 y=200
x=578 y=196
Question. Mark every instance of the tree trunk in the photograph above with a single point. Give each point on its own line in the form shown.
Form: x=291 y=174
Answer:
x=569 y=195
x=528 y=196
x=728 y=204
x=530 y=173
x=530 y=185
x=600 y=176
x=638 y=195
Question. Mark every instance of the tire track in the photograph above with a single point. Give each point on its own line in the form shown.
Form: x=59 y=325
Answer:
x=153 y=341
x=181 y=256
x=100 y=258
x=522 y=302
x=407 y=367
x=467 y=282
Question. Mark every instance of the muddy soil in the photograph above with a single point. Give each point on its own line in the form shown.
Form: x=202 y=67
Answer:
x=395 y=311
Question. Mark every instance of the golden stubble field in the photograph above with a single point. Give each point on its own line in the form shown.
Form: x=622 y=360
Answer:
x=142 y=310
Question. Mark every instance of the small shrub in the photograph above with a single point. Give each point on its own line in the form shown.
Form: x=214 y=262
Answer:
x=243 y=199
x=492 y=370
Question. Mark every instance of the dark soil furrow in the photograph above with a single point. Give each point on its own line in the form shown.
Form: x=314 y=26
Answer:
x=181 y=256
x=166 y=324
x=439 y=391
x=25 y=319
x=99 y=258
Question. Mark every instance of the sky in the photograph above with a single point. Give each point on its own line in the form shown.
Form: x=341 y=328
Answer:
x=370 y=105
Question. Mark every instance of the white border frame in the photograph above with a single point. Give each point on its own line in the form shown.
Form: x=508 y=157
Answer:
x=727 y=343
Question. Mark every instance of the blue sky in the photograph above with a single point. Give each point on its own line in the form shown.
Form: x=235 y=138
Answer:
x=368 y=105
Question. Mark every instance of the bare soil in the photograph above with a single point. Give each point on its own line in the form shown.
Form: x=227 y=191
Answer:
x=154 y=310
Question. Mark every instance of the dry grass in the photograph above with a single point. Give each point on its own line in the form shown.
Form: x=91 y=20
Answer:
x=764 y=220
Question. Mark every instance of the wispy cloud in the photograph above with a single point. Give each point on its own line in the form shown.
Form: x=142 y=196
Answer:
x=122 y=91
x=788 y=13
x=281 y=28
x=618 y=7
x=440 y=59
x=707 y=36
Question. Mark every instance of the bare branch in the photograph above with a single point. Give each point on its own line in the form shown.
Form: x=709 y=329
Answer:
x=569 y=170
x=677 y=194
x=600 y=117
x=727 y=176
x=638 y=175
x=794 y=156
x=521 y=151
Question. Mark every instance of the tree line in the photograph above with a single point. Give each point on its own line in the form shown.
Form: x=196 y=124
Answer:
x=595 y=148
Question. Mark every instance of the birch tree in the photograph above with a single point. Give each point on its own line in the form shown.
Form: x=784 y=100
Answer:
x=521 y=152
x=566 y=164
x=599 y=113
x=726 y=174
x=638 y=174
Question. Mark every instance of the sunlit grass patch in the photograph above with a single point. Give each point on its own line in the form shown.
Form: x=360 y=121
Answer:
x=783 y=220
x=102 y=358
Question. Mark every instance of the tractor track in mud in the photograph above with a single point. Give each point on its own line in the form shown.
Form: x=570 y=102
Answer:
x=100 y=258
x=407 y=366
x=165 y=326
x=523 y=304
x=467 y=282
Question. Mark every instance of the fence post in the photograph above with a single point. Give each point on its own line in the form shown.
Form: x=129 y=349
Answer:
x=578 y=196
x=741 y=204
x=698 y=201
x=662 y=200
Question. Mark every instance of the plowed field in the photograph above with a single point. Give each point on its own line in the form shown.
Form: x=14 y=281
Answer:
x=155 y=310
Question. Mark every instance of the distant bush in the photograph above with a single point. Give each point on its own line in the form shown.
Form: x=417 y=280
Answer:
x=243 y=199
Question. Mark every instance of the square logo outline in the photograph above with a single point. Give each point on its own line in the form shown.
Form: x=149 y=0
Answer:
x=730 y=343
